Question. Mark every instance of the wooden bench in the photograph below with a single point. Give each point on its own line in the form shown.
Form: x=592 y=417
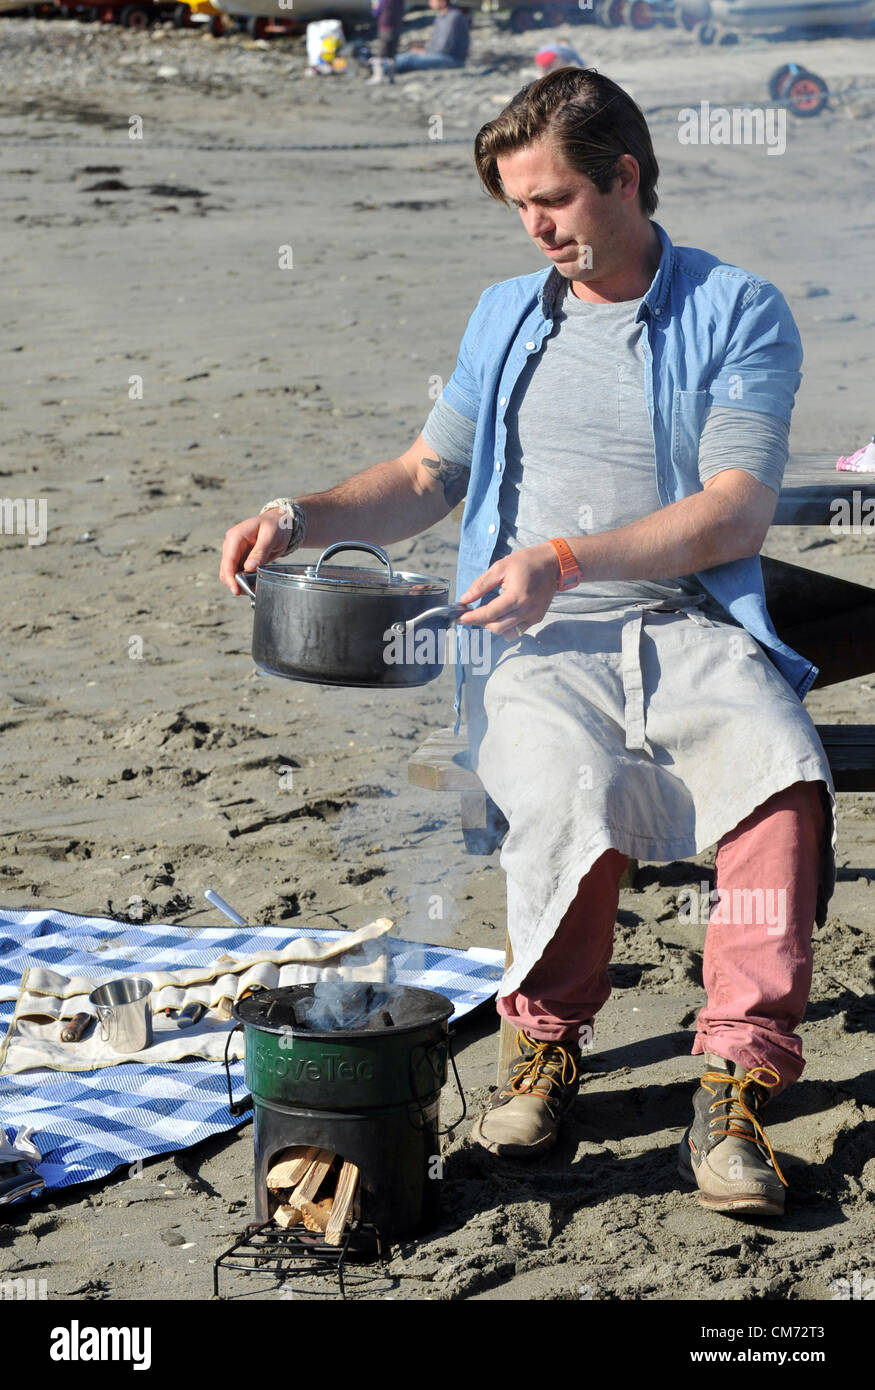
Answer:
x=830 y=620
x=440 y=764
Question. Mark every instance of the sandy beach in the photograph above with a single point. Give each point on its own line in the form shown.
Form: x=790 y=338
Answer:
x=163 y=377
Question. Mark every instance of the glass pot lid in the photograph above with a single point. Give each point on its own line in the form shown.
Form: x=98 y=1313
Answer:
x=353 y=578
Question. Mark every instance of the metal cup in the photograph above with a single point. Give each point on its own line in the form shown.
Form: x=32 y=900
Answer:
x=122 y=1008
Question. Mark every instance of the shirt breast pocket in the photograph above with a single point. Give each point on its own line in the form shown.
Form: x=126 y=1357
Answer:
x=686 y=429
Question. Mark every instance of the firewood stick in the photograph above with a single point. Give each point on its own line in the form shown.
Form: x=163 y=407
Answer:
x=290 y=1169
x=344 y=1196
x=288 y=1216
x=315 y=1214
x=311 y=1182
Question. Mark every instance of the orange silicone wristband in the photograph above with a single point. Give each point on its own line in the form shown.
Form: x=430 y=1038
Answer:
x=569 y=569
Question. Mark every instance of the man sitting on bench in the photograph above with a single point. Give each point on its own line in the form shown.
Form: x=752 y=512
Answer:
x=619 y=425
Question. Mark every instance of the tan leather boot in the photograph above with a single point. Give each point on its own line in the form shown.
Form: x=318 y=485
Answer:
x=522 y=1119
x=725 y=1150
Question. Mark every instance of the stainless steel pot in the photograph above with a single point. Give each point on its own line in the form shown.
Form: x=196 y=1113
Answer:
x=349 y=625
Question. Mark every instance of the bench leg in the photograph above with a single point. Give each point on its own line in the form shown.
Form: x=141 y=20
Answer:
x=483 y=825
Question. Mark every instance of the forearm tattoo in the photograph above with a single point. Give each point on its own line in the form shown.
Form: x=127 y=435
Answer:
x=453 y=478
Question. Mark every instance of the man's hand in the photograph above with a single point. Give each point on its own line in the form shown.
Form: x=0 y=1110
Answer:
x=527 y=579
x=252 y=543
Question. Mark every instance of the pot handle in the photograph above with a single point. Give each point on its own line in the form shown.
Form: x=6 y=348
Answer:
x=244 y=581
x=450 y=611
x=355 y=545
x=236 y=1107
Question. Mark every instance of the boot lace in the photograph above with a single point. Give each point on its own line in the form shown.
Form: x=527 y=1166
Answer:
x=550 y=1064
x=737 y=1108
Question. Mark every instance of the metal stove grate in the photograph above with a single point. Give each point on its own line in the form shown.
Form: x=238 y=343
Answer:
x=272 y=1252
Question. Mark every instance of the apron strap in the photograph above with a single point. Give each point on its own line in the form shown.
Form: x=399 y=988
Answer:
x=630 y=667
x=633 y=681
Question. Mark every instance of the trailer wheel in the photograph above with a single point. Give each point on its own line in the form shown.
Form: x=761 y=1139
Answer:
x=181 y=16
x=257 y=26
x=217 y=26
x=779 y=80
x=522 y=19
x=135 y=17
x=807 y=94
x=641 y=15
x=707 y=33
x=610 y=14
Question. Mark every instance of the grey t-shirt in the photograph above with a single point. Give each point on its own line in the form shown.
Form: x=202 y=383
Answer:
x=580 y=455
x=449 y=35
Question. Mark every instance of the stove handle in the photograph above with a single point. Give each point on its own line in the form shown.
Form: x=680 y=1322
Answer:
x=236 y=1107
x=427 y=1054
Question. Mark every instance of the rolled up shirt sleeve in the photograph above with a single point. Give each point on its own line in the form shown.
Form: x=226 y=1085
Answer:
x=752 y=441
x=450 y=433
x=760 y=370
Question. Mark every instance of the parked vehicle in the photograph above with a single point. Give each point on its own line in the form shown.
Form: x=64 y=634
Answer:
x=282 y=16
x=551 y=14
x=755 y=16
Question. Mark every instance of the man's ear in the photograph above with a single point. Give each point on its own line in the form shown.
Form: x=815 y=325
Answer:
x=629 y=174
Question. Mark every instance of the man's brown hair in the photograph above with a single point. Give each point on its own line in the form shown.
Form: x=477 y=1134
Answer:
x=591 y=122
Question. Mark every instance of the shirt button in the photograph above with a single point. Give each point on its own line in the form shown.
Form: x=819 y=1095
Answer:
x=492 y=528
x=503 y=401
x=529 y=346
x=657 y=312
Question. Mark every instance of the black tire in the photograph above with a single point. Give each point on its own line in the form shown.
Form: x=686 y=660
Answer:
x=641 y=14
x=610 y=14
x=135 y=16
x=256 y=26
x=707 y=33
x=217 y=26
x=807 y=94
x=778 y=81
x=181 y=16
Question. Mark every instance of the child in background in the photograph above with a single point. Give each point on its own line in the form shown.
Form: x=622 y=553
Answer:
x=389 y=15
x=558 y=55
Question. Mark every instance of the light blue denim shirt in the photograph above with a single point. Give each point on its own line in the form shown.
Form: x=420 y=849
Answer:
x=713 y=335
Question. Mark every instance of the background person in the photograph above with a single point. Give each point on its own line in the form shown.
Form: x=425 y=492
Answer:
x=448 y=42
x=389 y=15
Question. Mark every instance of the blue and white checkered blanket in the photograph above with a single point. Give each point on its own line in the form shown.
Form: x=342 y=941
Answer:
x=87 y=1124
